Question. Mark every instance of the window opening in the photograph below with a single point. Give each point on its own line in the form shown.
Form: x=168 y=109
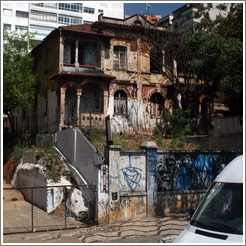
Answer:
x=120 y=57
x=120 y=102
x=157 y=104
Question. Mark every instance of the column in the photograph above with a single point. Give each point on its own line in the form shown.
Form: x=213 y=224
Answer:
x=77 y=55
x=151 y=170
x=79 y=92
x=61 y=53
x=62 y=107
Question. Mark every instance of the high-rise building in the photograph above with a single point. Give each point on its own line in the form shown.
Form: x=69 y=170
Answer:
x=40 y=19
x=185 y=16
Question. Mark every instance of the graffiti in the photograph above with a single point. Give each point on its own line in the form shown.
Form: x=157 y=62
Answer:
x=125 y=202
x=115 y=206
x=132 y=175
x=151 y=160
x=189 y=171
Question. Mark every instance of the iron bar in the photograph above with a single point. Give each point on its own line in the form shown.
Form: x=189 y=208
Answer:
x=32 y=209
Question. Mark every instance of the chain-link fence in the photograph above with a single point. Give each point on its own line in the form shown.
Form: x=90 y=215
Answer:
x=31 y=209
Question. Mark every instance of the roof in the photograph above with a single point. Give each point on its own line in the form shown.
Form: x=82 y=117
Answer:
x=233 y=172
x=86 y=28
x=81 y=75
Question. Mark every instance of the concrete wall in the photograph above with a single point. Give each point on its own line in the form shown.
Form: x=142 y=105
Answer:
x=127 y=184
x=148 y=182
x=80 y=153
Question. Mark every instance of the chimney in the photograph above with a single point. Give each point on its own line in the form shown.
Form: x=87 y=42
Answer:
x=100 y=17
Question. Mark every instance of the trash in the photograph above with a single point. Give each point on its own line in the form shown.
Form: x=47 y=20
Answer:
x=34 y=229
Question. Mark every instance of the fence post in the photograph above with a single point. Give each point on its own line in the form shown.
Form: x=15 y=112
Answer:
x=90 y=127
x=32 y=210
x=151 y=164
x=95 y=204
x=65 y=194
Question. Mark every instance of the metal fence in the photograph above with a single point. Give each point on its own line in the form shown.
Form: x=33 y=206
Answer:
x=32 y=209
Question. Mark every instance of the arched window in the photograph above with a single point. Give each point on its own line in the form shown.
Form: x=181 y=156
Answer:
x=157 y=104
x=120 y=102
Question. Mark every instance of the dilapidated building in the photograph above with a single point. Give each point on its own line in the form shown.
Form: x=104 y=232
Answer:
x=100 y=69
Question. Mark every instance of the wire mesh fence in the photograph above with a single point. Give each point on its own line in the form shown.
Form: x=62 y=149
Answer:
x=31 y=209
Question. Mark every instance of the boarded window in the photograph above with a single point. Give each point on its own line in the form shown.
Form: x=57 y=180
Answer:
x=120 y=57
x=120 y=102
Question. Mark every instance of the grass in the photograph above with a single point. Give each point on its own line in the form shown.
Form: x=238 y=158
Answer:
x=128 y=141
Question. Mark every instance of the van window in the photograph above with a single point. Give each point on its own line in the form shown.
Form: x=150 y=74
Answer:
x=221 y=209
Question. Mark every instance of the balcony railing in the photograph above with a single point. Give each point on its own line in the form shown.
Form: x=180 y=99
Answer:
x=82 y=68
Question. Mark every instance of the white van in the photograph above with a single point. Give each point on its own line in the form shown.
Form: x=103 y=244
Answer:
x=219 y=217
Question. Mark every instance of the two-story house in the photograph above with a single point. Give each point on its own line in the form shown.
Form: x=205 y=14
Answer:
x=100 y=69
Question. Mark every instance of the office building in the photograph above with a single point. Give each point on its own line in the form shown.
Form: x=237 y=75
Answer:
x=40 y=19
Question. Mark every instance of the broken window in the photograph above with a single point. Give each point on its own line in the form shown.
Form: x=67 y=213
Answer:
x=157 y=104
x=120 y=102
x=120 y=57
x=156 y=61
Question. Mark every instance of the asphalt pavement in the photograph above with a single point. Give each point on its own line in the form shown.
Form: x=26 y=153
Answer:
x=144 y=230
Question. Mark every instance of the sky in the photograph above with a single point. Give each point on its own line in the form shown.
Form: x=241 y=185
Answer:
x=161 y=8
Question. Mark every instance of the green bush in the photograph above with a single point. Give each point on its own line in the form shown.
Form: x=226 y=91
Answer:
x=158 y=134
x=18 y=152
x=97 y=133
x=179 y=123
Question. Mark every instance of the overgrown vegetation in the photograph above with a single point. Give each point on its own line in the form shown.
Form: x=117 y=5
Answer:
x=97 y=134
x=52 y=160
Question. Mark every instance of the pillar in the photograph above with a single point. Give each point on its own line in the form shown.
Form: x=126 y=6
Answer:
x=79 y=92
x=151 y=170
x=112 y=156
x=77 y=55
x=62 y=107
x=61 y=53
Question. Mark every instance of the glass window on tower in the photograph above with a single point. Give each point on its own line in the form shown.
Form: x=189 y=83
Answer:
x=89 y=10
x=69 y=20
x=74 y=7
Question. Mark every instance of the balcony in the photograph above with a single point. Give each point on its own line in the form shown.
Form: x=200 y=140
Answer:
x=81 y=68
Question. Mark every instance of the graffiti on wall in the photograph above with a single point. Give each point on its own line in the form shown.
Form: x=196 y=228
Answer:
x=189 y=171
x=132 y=176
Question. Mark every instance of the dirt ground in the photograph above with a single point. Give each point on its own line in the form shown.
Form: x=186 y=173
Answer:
x=20 y=216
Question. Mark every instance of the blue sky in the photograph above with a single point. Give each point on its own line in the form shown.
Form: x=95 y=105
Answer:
x=161 y=8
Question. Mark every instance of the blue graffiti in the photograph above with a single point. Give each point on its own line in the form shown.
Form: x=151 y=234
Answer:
x=190 y=171
x=132 y=175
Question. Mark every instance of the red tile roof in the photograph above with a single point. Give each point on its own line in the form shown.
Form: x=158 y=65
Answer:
x=86 y=28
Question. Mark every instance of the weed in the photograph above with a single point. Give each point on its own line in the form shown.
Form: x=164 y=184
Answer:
x=18 y=152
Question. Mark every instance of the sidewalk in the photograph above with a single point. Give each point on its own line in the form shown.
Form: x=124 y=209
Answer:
x=144 y=230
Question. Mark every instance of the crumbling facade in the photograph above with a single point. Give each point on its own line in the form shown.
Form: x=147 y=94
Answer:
x=97 y=70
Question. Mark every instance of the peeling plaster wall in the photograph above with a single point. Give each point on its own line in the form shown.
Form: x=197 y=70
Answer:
x=148 y=182
x=32 y=175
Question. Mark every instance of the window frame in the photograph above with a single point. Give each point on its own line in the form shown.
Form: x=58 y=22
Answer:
x=157 y=105
x=120 y=97
x=117 y=58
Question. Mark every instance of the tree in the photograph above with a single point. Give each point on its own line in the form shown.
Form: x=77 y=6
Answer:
x=218 y=55
x=19 y=83
x=208 y=58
